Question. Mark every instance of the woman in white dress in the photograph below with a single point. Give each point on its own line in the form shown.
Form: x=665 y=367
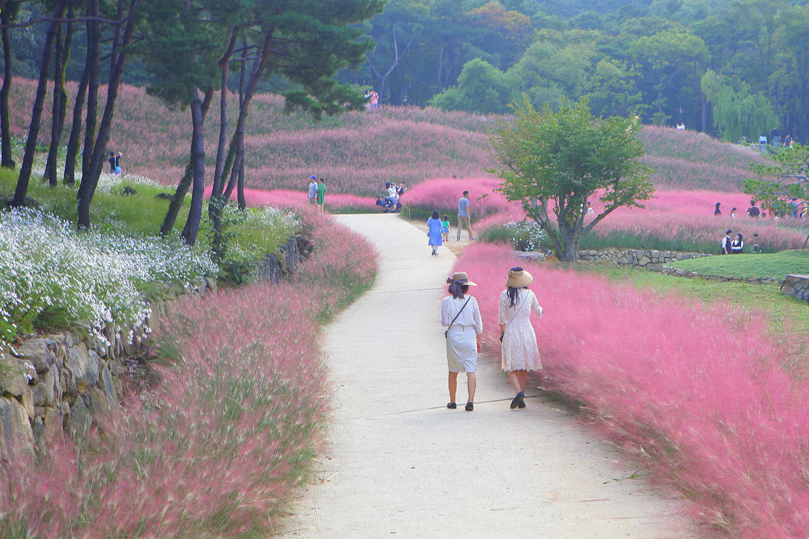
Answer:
x=519 y=353
x=461 y=315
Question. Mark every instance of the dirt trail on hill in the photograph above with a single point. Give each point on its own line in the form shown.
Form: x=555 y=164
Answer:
x=398 y=462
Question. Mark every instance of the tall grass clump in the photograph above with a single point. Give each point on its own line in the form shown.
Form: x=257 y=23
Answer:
x=52 y=275
x=442 y=194
x=229 y=431
x=700 y=393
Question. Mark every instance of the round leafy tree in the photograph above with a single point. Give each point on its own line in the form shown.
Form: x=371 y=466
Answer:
x=555 y=163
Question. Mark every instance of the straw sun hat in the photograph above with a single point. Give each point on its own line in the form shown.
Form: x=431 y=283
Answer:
x=518 y=278
x=463 y=277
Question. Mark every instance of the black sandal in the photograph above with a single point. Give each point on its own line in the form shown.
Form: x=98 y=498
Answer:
x=469 y=407
x=451 y=405
x=518 y=401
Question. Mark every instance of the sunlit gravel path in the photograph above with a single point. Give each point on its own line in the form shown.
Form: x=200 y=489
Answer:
x=399 y=463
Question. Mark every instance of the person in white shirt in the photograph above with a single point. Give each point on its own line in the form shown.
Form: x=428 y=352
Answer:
x=313 y=190
x=460 y=313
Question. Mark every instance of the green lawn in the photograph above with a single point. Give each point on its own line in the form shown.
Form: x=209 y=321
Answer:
x=782 y=311
x=750 y=266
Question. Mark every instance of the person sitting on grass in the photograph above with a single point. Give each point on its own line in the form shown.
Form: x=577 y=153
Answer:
x=737 y=245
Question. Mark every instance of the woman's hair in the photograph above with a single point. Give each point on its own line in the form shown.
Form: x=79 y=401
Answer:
x=512 y=295
x=435 y=215
x=464 y=288
x=740 y=237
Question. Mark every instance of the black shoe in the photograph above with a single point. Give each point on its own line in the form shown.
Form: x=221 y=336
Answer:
x=518 y=401
x=469 y=407
x=521 y=405
x=451 y=405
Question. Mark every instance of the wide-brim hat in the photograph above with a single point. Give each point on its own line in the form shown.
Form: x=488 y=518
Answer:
x=462 y=277
x=518 y=278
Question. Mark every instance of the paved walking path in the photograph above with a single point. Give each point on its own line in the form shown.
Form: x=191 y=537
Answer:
x=398 y=462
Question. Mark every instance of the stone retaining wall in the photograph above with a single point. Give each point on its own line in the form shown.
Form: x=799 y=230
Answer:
x=649 y=260
x=56 y=381
x=679 y=272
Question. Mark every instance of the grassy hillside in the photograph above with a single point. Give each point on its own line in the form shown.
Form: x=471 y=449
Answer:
x=357 y=152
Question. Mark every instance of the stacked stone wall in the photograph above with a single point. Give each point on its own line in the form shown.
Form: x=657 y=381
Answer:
x=638 y=259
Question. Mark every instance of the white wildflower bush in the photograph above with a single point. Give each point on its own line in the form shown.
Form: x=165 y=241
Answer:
x=526 y=235
x=47 y=267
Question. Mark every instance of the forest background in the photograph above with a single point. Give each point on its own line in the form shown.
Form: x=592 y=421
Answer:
x=727 y=68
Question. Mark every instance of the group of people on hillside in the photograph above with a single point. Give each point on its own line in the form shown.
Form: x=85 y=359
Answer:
x=371 y=100
x=438 y=228
x=317 y=193
x=519 y=354
x=389 y=200
x=796 y=210
x=775 y=139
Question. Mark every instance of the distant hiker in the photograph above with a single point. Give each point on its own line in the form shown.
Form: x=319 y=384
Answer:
x=762 y=139
x=518 y=353
x=313 y=190
x=788 y=141
x=464 y=216
x=460 y=314
x=445 y=228
x=737 y=245
x=726 y=243
x=434 y=234
x=321 y=195
x=680 y=125
x=115 y=162
x=774 y=135
x=793 y=204
x=753 y=211
x=717 y=212
x=733 y=213
x=367 y=100
x=374 y=100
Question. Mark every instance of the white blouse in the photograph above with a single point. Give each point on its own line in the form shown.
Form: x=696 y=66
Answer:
x=470 y=316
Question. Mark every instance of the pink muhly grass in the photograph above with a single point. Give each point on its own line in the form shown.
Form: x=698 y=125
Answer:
x=231 y=428
x=442 y=194
x=698 y=389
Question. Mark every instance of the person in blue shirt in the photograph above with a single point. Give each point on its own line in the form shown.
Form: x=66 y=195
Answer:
x=464 y=216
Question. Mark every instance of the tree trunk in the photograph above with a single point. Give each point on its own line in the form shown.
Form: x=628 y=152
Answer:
x=223 y=111
x=59 y=100
x=75 y=131
x=88 y=184
x=39 y=102
x=236 y=143
x=92 y=68
x=242 y=78
x=5 y=126
x=189 y=234
x=182 y=188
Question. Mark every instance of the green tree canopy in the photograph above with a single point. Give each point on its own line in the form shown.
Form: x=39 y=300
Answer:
x=555 y=163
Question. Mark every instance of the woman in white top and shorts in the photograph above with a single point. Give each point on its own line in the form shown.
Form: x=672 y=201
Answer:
x=461 y=314
x=519 y=353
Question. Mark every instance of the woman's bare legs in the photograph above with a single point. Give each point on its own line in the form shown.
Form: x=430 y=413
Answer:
x=471 y=383
x=519 y=381
x=453 y=385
